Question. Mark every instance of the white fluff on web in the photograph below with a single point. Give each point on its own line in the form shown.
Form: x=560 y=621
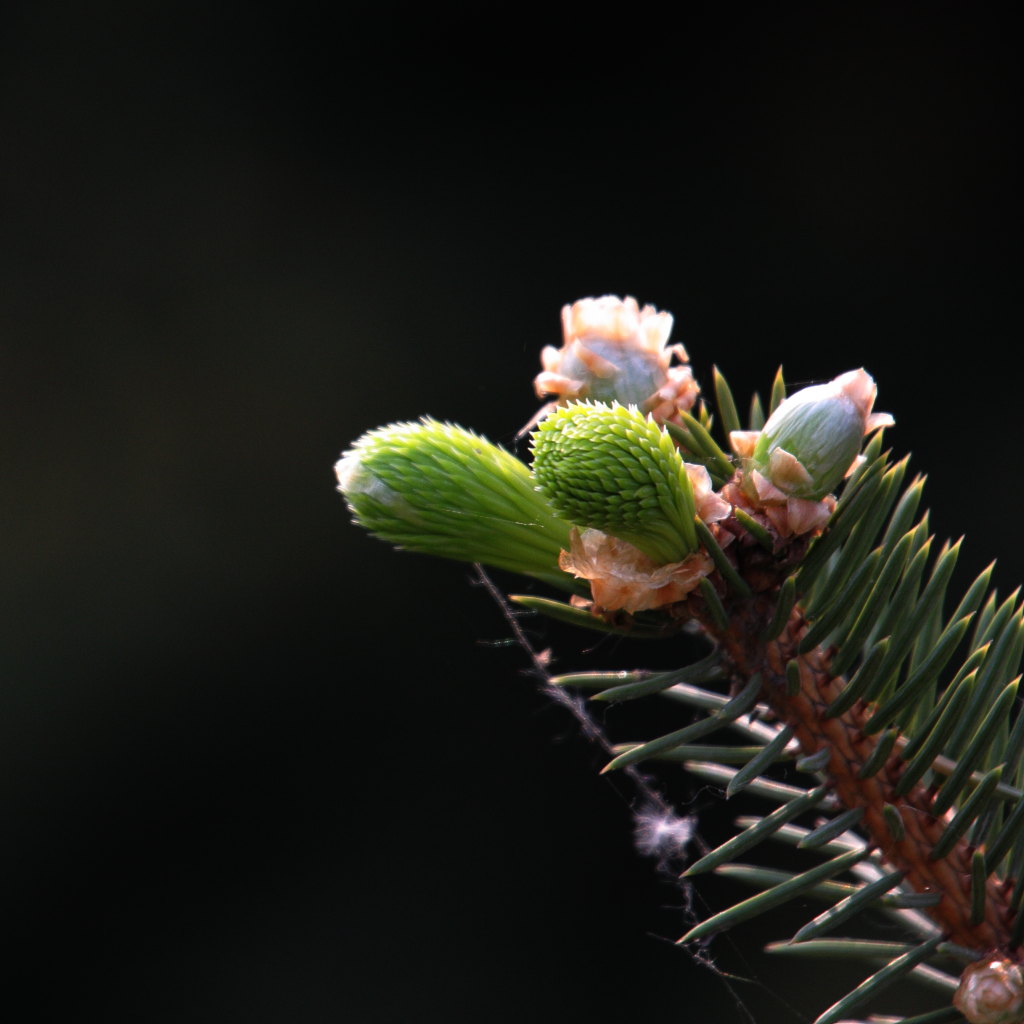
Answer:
x=661 y=834
x=658 y=832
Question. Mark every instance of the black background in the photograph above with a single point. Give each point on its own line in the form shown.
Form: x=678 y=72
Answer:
x=255 y=765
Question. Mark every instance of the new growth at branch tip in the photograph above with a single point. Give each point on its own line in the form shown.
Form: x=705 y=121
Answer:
x=614 y=499
x=790 y=545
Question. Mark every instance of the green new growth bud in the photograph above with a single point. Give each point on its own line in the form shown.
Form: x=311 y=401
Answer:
x=442 y=490
x=812 y=439
x=614 y=351
x=611 y=469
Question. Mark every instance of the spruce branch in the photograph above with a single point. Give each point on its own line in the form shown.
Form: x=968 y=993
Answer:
x=794 y=547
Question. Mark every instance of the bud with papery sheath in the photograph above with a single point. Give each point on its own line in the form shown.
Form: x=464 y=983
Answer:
x=991 y=991
x=442 y=490
x=813 y=438
x=610 y=468
x=614 y=351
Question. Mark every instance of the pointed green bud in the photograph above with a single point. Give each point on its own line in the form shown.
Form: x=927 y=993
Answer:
x=813 y=438
x=610 y=468
x=442 y=490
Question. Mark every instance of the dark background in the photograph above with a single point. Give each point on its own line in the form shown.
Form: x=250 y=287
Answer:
x=255 y=765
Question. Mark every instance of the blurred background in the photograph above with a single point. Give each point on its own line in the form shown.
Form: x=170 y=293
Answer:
x=255 y=765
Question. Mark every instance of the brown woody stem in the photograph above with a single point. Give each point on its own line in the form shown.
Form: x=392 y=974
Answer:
x=850 y=748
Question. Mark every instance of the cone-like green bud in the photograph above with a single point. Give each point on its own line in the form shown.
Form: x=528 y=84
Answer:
x=442 y=490
x=812 y=439
x=609 y=468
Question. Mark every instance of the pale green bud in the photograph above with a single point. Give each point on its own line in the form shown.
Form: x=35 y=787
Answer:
x=812 y=439
x=442 y=490
x=614 y=351
x=610 y=468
